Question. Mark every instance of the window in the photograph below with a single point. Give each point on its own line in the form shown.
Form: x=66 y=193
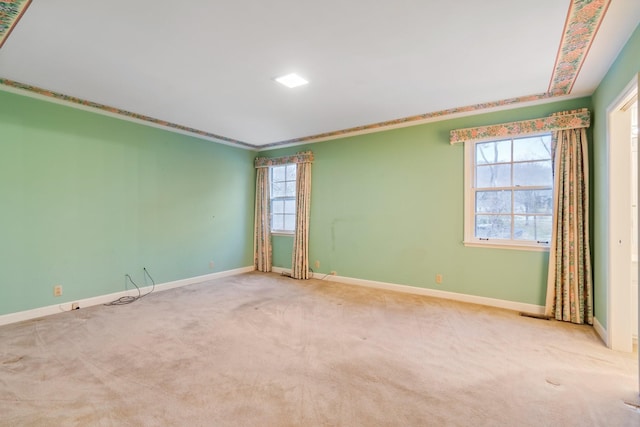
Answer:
x=283 y=198
x=509 y=192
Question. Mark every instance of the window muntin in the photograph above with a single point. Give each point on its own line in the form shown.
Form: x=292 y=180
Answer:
x=283 y=198
x=509 y=192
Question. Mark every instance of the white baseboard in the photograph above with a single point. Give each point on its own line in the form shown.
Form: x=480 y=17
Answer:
x=473 y=299
x=103 y=299
x=601 y=331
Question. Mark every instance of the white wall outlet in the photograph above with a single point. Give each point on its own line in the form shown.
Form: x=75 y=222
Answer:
x=317 y=264
x=57 y=291
x=211 y=265
x=438 y=278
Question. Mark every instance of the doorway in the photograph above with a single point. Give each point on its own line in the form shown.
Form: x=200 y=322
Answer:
x=622 y=313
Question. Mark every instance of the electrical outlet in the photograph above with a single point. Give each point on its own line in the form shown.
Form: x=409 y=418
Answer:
x=57 y=291
x=438 y=278
x=317 y=264
x=211 y=265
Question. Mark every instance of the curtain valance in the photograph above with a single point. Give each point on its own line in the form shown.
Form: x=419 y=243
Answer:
x=559 y=121
x=301 y=157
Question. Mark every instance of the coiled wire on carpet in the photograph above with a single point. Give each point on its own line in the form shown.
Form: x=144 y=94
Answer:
x=128 y=299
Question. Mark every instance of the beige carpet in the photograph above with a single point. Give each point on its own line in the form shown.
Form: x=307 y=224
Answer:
x=263 y=350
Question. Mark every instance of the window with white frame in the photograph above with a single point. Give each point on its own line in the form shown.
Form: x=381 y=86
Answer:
x=509 y=192
x=283 y=198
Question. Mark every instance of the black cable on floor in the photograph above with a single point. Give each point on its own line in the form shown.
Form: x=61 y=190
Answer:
x=128 y=299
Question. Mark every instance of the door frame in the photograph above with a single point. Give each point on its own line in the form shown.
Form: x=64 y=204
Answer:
x=619 y=334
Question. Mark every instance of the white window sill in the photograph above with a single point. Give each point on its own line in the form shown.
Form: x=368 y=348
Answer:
x=282 y=233
x=510 y=245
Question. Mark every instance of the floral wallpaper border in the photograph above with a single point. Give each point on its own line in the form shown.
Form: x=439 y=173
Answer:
x=125 y=113
x=301 y=157
x=582 y=24
x=10 y=13
x=558 y=121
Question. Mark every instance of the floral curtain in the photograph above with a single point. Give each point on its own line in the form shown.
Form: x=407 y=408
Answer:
x=553 y=123
x=262 y=247
x=301 y=157
x=300 y=257
x=569 y=285
x=262 y=237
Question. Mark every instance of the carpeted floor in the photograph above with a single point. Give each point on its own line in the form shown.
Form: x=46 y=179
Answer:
x=263 y=350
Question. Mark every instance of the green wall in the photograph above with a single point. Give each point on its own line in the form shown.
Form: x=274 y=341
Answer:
x=388 y=206
x=624 y=69
x=87 y=198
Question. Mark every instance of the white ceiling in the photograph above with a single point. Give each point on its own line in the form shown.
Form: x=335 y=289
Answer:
x=209 y=65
